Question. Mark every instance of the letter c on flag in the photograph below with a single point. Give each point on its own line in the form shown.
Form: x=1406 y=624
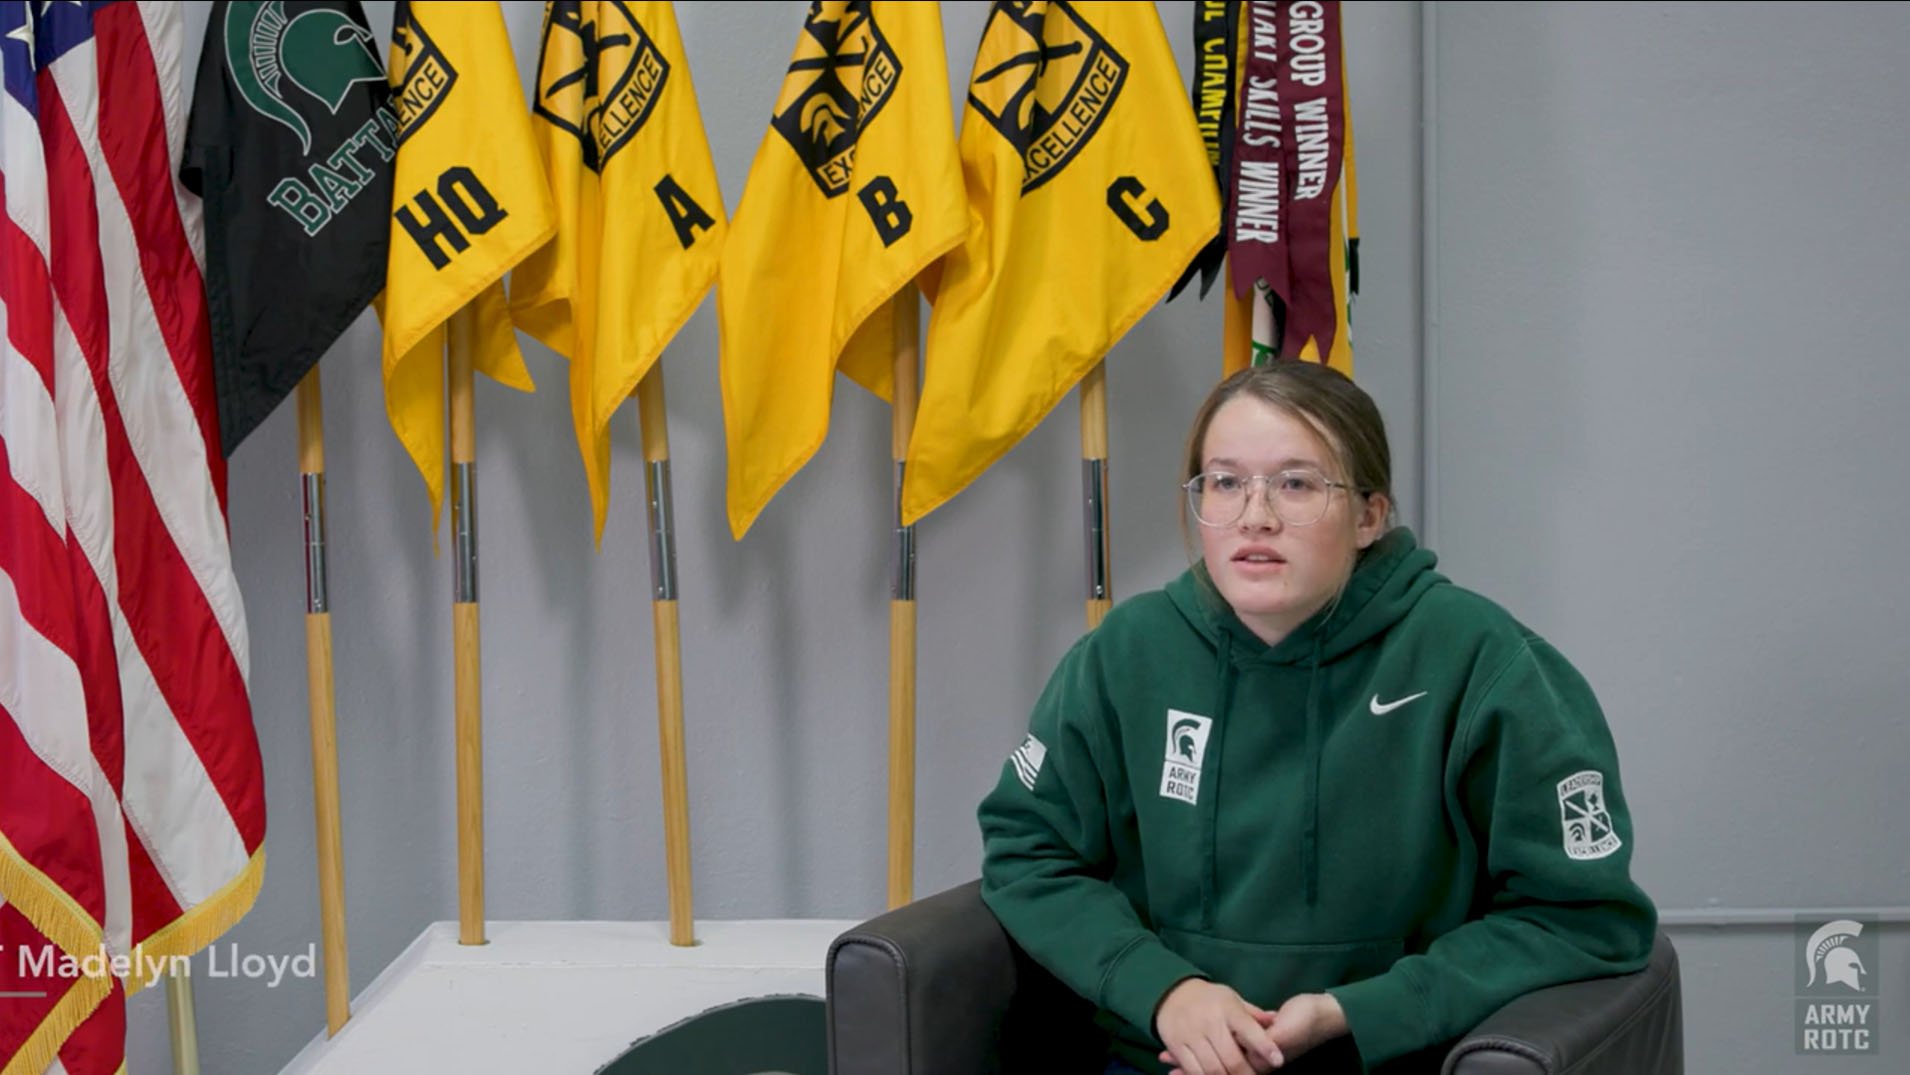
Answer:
x=1127 y=187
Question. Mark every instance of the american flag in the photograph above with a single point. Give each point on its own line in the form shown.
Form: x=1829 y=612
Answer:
x=132 y=810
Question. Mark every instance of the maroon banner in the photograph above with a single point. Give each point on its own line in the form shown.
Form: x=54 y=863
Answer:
x=1314 y=107
x=1257 y=194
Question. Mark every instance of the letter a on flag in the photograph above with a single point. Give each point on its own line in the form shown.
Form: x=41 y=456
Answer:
x=856 y=188
x=468 y=203
x=641 y=221
x=1092 y=191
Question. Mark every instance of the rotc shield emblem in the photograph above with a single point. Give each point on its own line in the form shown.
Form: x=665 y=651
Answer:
x=843 y=73
x=428 y=76
x=598 y=78
x=1588 y=824
x=1045 y=79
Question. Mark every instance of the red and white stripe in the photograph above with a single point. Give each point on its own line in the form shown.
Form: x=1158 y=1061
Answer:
x=130 y=782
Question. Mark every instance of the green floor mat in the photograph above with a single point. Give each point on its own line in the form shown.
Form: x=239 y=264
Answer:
x=760 y=1036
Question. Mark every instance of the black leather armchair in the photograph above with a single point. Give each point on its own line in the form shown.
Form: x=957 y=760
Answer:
x=937 y=988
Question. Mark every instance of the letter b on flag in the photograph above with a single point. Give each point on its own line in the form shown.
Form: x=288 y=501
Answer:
x=887 y=210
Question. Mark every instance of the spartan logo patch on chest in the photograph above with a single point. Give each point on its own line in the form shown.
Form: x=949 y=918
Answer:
x=428 y=76
x=1186 y=751
x=1046 y=80
x=1588 y=825
x=598 y=78
x=319 y=52
x=843 y=73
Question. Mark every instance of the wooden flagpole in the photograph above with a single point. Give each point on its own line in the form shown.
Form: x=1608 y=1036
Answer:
x=320 y=695
x=669 y=653
x=1236 y=332
x=1094 y=479
x=183 y=1024
x=908 y=316
x=461 y=339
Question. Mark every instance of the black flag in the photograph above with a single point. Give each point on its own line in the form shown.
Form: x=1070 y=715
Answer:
x=290 y=146
x=1214 y=89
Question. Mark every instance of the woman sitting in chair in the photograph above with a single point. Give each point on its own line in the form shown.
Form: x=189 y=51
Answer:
x=1311 y=798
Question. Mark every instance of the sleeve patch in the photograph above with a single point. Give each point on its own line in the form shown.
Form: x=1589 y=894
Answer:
x=1588 y=825
x=1027 y=760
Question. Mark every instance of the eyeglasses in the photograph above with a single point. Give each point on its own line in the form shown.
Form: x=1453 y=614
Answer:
x=1298 y=497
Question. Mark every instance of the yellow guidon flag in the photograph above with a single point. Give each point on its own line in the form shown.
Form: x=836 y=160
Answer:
x=1091 y=191
x=856 y=188
x=641 y=222
x=467 y=204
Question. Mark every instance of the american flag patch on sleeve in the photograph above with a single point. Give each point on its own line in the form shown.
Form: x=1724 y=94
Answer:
x=1027 y=760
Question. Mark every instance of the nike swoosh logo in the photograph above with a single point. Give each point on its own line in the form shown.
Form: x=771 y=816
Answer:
x=1380 y=709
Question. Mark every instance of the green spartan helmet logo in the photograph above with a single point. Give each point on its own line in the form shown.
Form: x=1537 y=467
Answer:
x=320 y=51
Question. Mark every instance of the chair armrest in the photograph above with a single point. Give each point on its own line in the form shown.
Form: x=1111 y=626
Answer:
x=1631 y=1024
x=938 y=988
x=921 y=990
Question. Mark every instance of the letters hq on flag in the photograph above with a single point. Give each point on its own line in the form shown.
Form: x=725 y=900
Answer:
x=131 y=807
x=471 y=206
x=290 y=144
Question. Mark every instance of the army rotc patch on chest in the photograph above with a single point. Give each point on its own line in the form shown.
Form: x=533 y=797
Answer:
x=1186 y=752
x=1045 y=82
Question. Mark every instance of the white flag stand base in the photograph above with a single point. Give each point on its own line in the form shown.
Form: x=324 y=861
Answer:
x=559 y=996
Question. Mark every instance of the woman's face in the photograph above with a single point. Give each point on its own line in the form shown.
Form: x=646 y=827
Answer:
x=1275 y=575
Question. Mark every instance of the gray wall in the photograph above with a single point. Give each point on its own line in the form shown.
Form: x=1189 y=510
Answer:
x=1637 y=441
x=1667 y=382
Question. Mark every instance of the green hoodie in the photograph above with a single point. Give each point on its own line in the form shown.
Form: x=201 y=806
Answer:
x=1411 y=802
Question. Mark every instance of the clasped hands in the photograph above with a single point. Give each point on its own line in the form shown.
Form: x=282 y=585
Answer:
x=1210 y=1030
